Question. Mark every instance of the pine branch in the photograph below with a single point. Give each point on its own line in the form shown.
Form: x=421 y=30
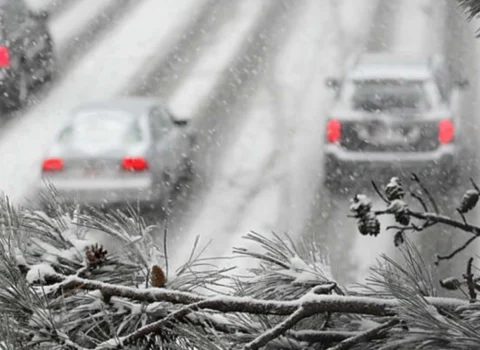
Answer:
x=456 y=251
x=315 y=303
x=437 y=218
x=153 y=327
x=264 y=338
x=323 y=337
x=365 y=336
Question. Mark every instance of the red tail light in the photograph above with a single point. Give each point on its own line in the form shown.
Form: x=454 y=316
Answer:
x=446 y=131
x=134 y=164
x=334 y=130
x=52 y=164
x=4 y=57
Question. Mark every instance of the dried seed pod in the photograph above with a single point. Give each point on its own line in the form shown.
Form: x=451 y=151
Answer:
x=402 y=218
x=394 y=189
x=158 y=277
x=469 y=201
x=96 y=254
x=398 y=239
x=400 y=211
x=361 y=205
x=368 y=224
x=450 y=283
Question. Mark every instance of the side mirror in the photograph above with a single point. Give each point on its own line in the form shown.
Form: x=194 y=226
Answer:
x=461 y=83
x=332 y=83
x=40 y=15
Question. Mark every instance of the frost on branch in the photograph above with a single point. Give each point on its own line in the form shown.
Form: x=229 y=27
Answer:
x=65 y=285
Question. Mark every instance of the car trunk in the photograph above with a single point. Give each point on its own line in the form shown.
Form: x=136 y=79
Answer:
x=390 y=135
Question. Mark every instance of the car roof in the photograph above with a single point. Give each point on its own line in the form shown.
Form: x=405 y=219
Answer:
x=136 y=106
x=390 y=66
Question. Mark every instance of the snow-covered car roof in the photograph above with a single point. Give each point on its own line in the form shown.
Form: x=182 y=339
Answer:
x=390 y=66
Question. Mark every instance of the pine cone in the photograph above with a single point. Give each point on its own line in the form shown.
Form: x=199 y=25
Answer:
x=361 y=205
x=158 y=276
x=368 y=224
x=469 y=201
x=399 y=209
x=96 y=254
x=398 y=239
x=394 y=189
x=450 y=283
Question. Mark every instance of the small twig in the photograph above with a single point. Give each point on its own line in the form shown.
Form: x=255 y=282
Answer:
x=278 y=330
x=474 y=185
x=456 y=251
x=427 y=192
x=380 y=194
x=436 y=218
x=420 y=199
x=326 y=322
x=365 y=336
x=324 y=337
x=154 y=326
x=463 y=217
x=165 y=230
x=470 y=283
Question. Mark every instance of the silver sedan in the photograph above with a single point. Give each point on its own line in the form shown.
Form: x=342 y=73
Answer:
x=124 y=151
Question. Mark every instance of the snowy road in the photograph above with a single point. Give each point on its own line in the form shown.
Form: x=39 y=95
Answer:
x=250 y=74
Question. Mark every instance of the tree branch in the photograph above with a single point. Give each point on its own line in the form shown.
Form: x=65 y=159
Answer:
x=365 y=336
x=427 y=192
x=456 y=251
x=323 y=337
x=437 y=218
x=313 y=302
x=153 y=327
x=278 y=330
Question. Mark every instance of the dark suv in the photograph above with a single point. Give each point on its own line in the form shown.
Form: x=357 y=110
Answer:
x=26 y=52
x=394 y=114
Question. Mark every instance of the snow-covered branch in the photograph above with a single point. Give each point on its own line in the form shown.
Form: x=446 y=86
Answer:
x=228 y=304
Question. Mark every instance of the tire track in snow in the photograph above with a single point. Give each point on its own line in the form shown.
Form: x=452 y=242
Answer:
x=97 y=25
x=53 y=7
x=167 y=72
x=221 y=117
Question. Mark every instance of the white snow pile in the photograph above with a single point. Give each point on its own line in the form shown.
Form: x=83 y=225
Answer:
x=38 y=272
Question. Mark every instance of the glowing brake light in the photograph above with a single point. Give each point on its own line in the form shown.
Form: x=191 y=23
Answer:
x=52 y=164
x=446 y=131
x=334 y=130
x=134 y=163
x=4 y=57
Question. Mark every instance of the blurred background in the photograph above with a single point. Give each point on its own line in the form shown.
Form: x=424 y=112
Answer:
x=249 y=76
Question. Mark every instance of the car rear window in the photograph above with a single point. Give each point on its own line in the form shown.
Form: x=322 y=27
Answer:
x=102 y=130
x=380 y=95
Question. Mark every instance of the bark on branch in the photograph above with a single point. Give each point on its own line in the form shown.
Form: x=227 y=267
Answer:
x=313 y=302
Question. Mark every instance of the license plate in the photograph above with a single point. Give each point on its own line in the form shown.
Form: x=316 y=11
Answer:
x=92 y=172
